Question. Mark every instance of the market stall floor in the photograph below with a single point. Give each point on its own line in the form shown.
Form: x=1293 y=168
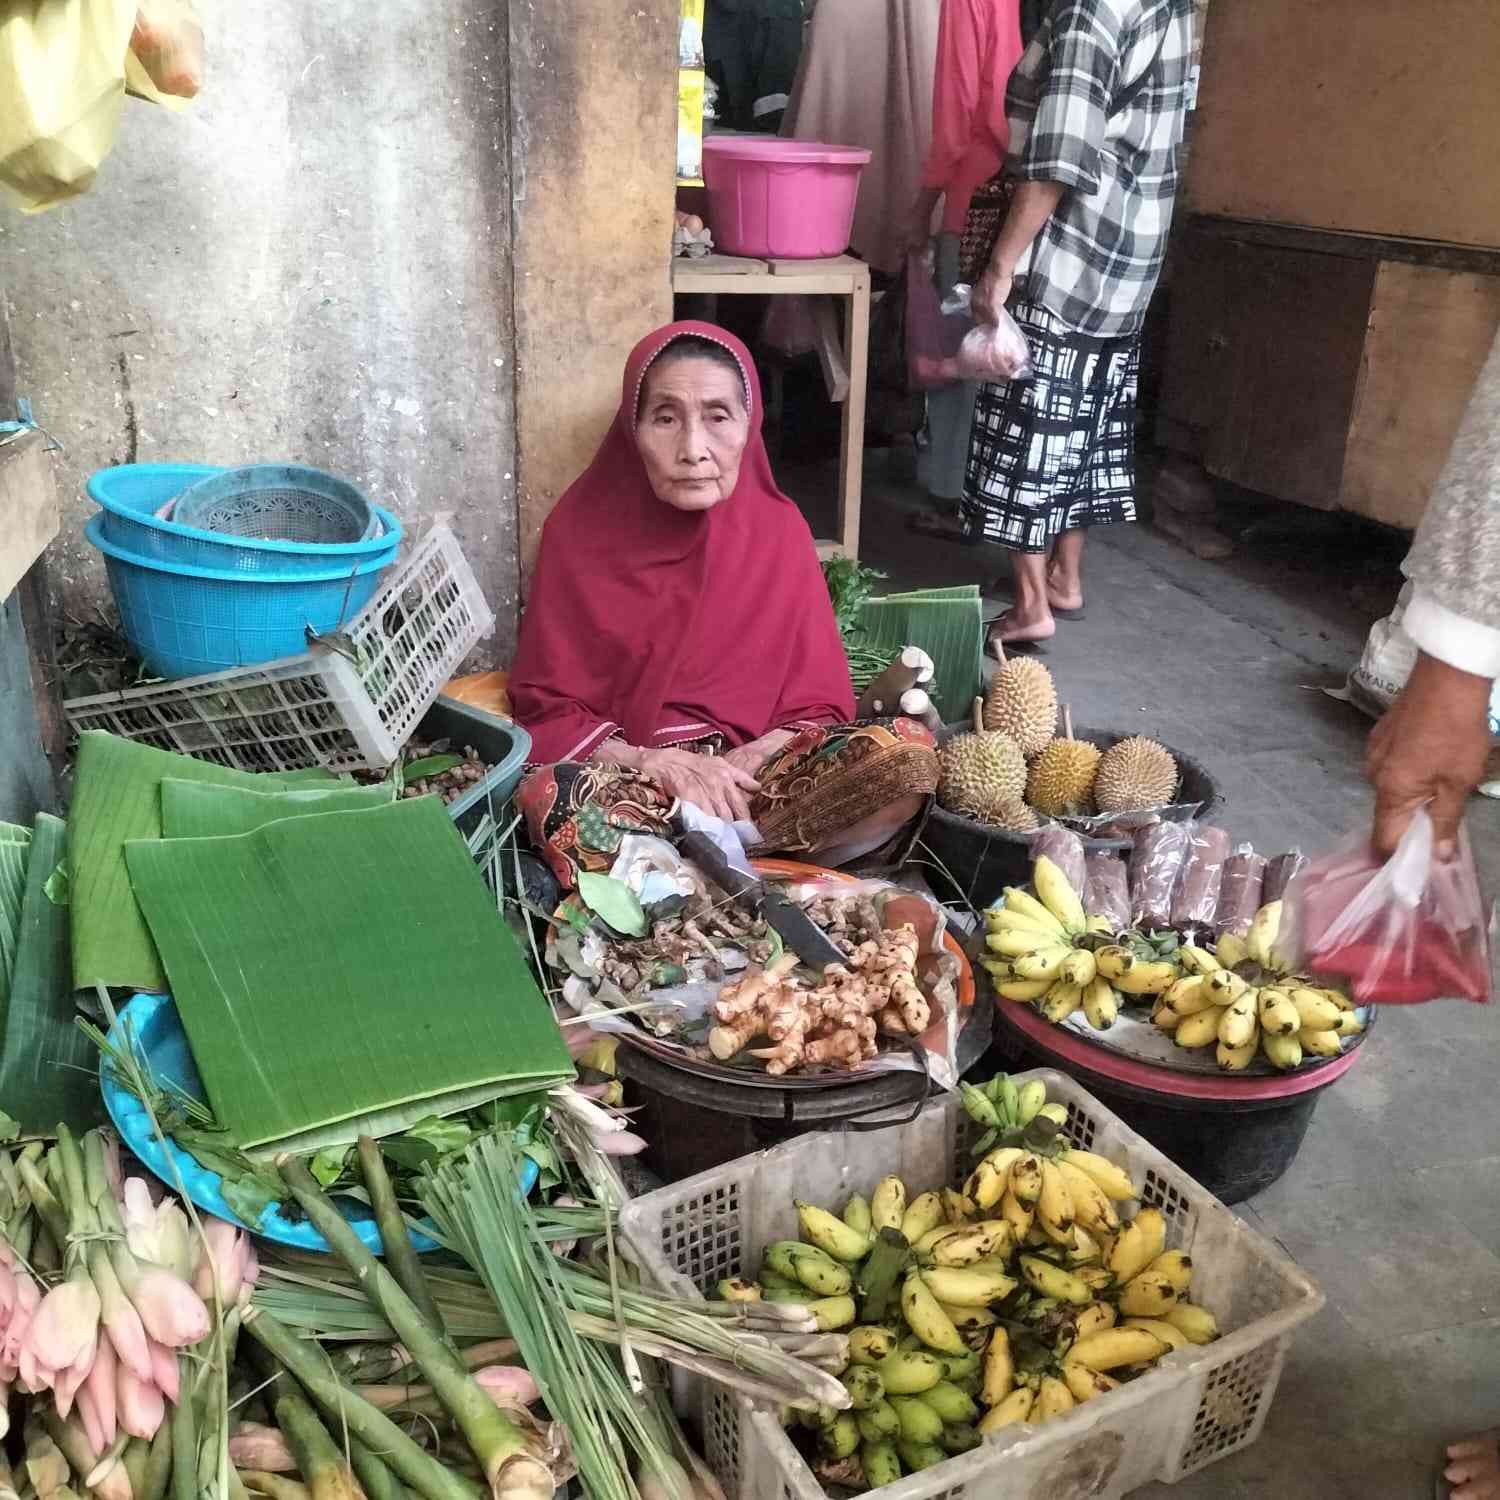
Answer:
x=1393 y=1204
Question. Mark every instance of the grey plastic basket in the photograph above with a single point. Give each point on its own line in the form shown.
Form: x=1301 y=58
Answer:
x=1199 y=1404
x=279 y=503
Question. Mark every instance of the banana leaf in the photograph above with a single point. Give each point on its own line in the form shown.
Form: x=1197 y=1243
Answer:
x=15 y=847
x=196 y=809
x=117 y=796
x=48 y=1068
x=948 y=624
x=343 y=974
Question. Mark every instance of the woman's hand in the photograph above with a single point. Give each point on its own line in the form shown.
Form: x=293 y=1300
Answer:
x=711 y=783
x=991 y=293
x=753 y=757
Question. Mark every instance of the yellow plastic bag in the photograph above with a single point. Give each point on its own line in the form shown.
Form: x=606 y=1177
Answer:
x=62 y=86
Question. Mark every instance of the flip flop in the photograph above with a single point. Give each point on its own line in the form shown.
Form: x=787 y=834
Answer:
x=1057 y=614
x=1012 y=648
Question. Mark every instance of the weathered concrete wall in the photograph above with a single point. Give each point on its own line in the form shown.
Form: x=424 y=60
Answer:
x=311 y=263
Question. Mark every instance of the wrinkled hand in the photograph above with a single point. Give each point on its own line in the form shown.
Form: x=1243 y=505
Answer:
x=1474 y=1469
x=1430 y=746
x=753 y=757
x=991 y=293
x=712 y=783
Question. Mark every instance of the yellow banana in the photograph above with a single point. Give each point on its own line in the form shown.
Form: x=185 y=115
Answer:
x=962 y=1247
x=1116 y=1347
x=1147 y=979
x=1100 y=926
x=1264 y=929
x=1053 y=1281
x=1138 y=1244
x=1053 y=1400
x=1100 y=1004
x=998 y=969
x=923 y=1213
x=1149 y=1295
x=1026 y=1179
x=926 y=1319
x=1338 y=998
x=1055 y=1205
x=985 y=1186
x=1012 y=942
x=1277 y=1013
x=1091 y=1206
x=1166 y=1018
x=1057 y=895
x=1095 y=1318
x=957 y=1208
x=857 y=1214
x=1316 y=1012
x=1177 y=1267
x=870 y=1344
x=1085 y=1249
x=909 y=1372
x=1198 y=1030
x=1084 y=1384
x=1194 y=1321
x=1024 y=990
x=1230 y=950
x=1283 y=1052
x=1349 y=1024
x=1079 y=968
x=938 y=1232
x=831 y=1313
x=1237 y=1022
x=1057 y=1113
x=1114 y=1182
x=1013 y=919
x=1197 y=960
x=821 y=1274
x=1043 y=963
x=962 y=1286
x=830 y=1234
x=1237 y=1059
x=1030 y=1101
x=1114 y=962
x=1017 y=1216
x=1014 y=1409
x=1060 y=1002
x=1189 y=995
x=1225 y=987
x=999 y=1369
x=1025 y=904
x=969 y=1320
x=1168 y=1333
x=1320 y=1043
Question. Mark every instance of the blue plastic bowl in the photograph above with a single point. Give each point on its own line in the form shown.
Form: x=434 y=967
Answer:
x=129 y=496
x=279 y=502
x=185 y=621
x=163 y=1046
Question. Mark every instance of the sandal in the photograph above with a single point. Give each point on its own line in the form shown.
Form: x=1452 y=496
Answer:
x=993 y=642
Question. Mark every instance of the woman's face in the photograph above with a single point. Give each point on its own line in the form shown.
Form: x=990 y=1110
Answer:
x=691 y=431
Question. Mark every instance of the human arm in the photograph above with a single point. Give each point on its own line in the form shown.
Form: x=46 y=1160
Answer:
x=714 y=784
x=1030 y=208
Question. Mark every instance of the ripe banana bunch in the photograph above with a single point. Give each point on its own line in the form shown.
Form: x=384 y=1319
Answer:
x=1044 y=952
x=1243 y=999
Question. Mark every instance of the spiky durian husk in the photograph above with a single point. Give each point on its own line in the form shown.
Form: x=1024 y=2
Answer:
x=1022 y=702
x=981 y=770
x=1062 y=777
x=1136 y=773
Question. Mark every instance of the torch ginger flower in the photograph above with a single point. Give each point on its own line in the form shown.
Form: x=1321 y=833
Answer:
x=225 y=1257
x=139 y=1404
x=66 y=1325
x=156 y=1232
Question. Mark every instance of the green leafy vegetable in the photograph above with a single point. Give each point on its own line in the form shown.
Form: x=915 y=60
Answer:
x=327 y=1165
x=430 y=765
x=614 y=901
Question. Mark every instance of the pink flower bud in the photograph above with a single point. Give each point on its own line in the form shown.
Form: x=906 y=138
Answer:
x=156 y=1232
x=172 y=1312
x=619 y=1142
x=220 y=1259
x=254 y=1446
x=507 y=1385
x=166 y=1374
x=66 y=1383
x=88 y=1414
x=140 y=1404
x=99 y=1389
x=66 y=1324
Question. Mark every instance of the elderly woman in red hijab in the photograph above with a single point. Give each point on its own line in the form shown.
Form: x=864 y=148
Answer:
x=679 y=642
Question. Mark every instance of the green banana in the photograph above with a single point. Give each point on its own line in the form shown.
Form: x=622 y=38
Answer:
x=949 y=1403
x=878 y=1421
x=880 y=1462
x=1030 y=1101
x=919 y=1422
x=830 y=1234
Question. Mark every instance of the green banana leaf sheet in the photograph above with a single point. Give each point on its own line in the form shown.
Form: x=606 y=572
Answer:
x=117 y=796
x=948 y=624
x=49 y=1071
x=197 y=809
x=15 y=849
x=343 y=973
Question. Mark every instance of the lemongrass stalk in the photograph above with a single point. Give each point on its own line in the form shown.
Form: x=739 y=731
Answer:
x=44 y=1200
x=400 y=1256
x=375 y=1479
x=158 y=1465
x=184 y=1440
x=274 y=1486
x=321 y=1465
x=81 y=1218
x=497 y=1441
x=372 y=1427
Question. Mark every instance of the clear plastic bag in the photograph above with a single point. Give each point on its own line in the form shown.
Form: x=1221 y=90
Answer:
x=1281 y=872
x=1065 y=849
x=1240 y=891
x=1196 y=902
x=168 y=43
x=1107 y=889
x=1401 y=931
x=1156 y=864
x=989 y=351
x=932 y=336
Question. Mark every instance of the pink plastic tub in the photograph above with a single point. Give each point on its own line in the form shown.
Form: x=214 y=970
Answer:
x=770 y=198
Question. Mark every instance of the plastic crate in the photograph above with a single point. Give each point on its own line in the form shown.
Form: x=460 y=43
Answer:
x=1197 y=1405
x=503 y=744
x=320 y=708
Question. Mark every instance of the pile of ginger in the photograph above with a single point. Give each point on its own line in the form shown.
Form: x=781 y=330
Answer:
x=833 y=1024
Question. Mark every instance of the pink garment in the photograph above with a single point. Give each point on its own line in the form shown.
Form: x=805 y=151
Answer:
x=979 y=43
x=664 y=626
x=865 y=79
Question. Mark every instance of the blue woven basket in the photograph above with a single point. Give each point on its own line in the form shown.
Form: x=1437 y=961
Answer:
x=278 y=503
x=131 y=494
x=185 y=621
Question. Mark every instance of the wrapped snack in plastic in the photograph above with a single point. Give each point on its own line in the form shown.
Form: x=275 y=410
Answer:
x=1240 y=891
x=1156 y=865
x=995 y=351
x=1400 y=931
x=1065 y=849
x=1107 y=889
x=1281 y=872
x=1196 y=903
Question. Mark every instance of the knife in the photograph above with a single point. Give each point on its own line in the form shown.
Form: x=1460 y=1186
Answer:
x=793 y=925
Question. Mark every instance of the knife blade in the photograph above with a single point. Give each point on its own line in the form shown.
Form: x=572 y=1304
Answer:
x=793 y=925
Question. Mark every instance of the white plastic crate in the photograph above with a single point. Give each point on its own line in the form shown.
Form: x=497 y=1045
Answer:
x=320 y=708
x=1197 y=1405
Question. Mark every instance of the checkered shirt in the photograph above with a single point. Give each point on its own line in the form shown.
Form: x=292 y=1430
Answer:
x=1096 y=261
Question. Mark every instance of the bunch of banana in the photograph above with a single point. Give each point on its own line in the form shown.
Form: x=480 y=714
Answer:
x=1043 y=951
x=1010 y=1112
x=1244 y=998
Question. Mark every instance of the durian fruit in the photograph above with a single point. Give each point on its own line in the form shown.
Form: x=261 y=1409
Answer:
x=1013 y=816
x=1022 y=702
x=984 y=769
x=1137 y=773
x=1062 y=776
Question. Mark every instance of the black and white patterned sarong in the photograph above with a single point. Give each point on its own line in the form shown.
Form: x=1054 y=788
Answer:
x=1057 y=452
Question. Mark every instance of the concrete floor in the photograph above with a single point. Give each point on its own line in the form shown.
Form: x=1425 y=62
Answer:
x=1393 y=1205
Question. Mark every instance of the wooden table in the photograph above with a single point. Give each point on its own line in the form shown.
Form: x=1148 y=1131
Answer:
x=845 y=359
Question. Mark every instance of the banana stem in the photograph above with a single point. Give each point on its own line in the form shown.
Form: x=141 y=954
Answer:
x=881 y=1273
x=319 y=1461
x=400 y=1257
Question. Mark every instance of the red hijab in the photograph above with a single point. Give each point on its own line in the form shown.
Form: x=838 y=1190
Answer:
x=663 y=626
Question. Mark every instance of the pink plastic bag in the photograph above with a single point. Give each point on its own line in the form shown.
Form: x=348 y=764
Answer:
x=995 y=351
x=1402 y=931
x=932 y=337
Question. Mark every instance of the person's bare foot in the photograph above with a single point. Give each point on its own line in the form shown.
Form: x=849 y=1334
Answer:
x=1015 y=628
x=1057 y=599
x=1063 y=593
x=1474 y=1469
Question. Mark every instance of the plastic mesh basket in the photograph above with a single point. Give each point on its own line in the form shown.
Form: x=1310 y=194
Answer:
x=1197 y=1405
x=278 y=503
x=320 y=708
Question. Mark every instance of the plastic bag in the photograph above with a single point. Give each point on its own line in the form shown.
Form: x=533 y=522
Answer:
x=1065 y=849
x=1401 y=931
x=167 y=42
x=932 y=338
x=1107 y=889
x=1281 y=872
x=1196 y=902
x=1156 y=865
x=1240 y=891
x=989 y=351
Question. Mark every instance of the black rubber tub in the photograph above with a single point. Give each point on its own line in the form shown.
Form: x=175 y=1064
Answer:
x=981 y=861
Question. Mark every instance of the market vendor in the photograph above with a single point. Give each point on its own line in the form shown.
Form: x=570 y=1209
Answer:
x=678 y=623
